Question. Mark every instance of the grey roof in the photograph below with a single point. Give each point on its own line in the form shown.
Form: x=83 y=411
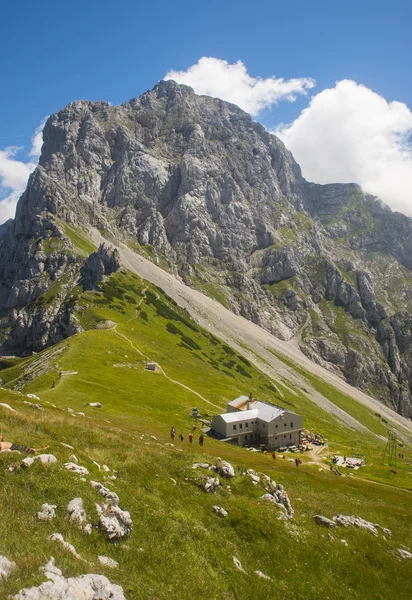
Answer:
x=266 y=412
x=241 y=415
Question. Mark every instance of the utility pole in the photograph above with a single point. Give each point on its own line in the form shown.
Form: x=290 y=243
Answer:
x=391 y=447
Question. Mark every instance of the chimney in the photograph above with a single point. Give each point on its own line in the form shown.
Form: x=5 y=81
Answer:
x=249 y=400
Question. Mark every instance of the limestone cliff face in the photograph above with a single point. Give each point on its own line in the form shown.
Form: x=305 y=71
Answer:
x=211 y=193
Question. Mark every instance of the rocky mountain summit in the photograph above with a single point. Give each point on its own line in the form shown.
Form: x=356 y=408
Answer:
x=209 y=194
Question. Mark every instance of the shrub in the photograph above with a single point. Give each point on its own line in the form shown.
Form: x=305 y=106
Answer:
x=171 y=328
x=228 y=350
x=143 y=315
x=243 y=371
x=187 y=340
x=244 y=360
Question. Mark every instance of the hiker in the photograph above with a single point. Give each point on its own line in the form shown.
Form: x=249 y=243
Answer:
x=201 y=439
x=194 y=428
x=274 y=455
x=191 y=437
x=181 y=437
x=12 y=447
x=297 y=462
x=173 y=433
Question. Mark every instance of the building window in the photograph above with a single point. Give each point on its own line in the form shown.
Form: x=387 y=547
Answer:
x=284 y=437
x=263 y=425
x=290 y=436
x=240 y=425
x=291 y=424
x=247 y=425
x=234 y=427
x=276 y=426
x=285 y=424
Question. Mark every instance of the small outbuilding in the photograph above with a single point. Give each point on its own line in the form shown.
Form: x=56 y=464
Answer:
x=151 y=366
x=251 y=421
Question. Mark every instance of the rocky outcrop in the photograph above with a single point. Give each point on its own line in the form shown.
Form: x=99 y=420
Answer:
x=224 y=204
x=98 y=265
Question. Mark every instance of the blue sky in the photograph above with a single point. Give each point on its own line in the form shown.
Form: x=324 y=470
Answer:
x=55 y=52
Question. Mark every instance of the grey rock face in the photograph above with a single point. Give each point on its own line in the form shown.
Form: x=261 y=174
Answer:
x=99 y=264
x=222 y=202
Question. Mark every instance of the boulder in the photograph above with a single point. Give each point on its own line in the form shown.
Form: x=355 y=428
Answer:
x=211 y=484
x=224 y=468
x=47 y=512
x=107 y=562
x=320 y=520
x=404 y=553
x=85 y=587
x=114 y=522
x=221 y=512
x=6 y=567
x=76 y=469
x=111 y=497
x=77 y=514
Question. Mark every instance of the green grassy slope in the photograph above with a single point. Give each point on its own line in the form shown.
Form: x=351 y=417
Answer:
x=187 y=550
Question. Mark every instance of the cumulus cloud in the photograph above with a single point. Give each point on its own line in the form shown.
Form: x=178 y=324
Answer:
x=232 y=82
x=350 y=133
x=15 y=173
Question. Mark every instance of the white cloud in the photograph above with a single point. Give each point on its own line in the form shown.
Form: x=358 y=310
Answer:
x=350 y=133
x=15 y=173
x=231 y=82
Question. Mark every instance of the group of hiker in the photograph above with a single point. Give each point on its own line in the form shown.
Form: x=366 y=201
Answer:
x=191 y=436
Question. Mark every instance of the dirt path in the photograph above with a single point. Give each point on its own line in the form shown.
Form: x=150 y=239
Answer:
x=255 y=343
x=160 y=368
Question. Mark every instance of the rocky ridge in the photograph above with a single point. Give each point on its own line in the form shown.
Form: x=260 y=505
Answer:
x=198 y=185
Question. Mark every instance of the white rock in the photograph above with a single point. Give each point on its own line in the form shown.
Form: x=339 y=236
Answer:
x=97 y=464
x=57 y=537
x=345 y=521
x=221 y=512
x=173 y=481
x=32 y=396
x=344 y=542
x=50 y=569
x=95 y=404
x=108 y=562
x=211 y=484
x=320 y=520
x=47 y=512
x=70 y=466
x=263 y=576
x=67 y=445
x=114 y=522
x=36 y=406
x=74 y=458
x=4 y=405
x=404 y=553
x=46 y=459
x=105 y=468
x=238 y=565
x=111 y=497
x=6 y=567
x=77 y=514
x=224 y=468
x=201 y=466
x=85 y=587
